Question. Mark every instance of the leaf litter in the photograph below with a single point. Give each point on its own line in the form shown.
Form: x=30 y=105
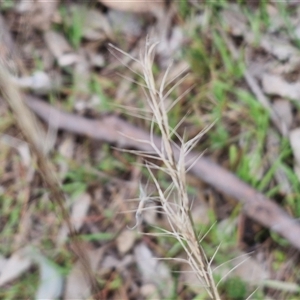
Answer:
x=11 y=268
x=51 y=45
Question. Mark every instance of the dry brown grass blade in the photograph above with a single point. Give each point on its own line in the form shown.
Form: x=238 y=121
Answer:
x=117 y=131
x=28 y=124
x=176 y=210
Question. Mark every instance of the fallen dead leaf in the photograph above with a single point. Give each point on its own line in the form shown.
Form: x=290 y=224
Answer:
x=276 y=85
x=234 y=21
x=280 y=48
x=295 y=144
x=125 y=22
x=79 y=210
x=246 y=268
x=24 y=6
x=95 y=25
x=39 y=82
x=141 y=6
x=66 y=150
x=149 y=291
x=60 y=48
x=283 y=109
x=40 y=12
x=96 y=59
x=169 y=44
x=77 y=286
x=125 y=240
x=190 y=279
x=153 y=271
x=110 y=262
x=15 y=266
x=51 y=281
x=150 y=215
x=43 y=13
x=200 y=213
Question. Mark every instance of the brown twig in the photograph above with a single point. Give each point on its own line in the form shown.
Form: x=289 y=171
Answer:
x=114 y=130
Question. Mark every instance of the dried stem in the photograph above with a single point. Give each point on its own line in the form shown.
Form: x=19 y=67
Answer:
x=179 y=216
x=174 y=200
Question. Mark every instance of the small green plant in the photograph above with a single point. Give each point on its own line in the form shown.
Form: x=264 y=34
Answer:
x=236 y=289
x=73 y=25
x=6 y=4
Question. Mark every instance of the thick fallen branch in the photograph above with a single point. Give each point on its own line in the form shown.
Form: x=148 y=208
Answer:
x=114 y=130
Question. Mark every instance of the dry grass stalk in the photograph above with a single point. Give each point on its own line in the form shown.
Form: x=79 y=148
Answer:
x=27 y=123
x=174 y=200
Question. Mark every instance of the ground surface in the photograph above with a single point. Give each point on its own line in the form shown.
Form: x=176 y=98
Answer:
x=241 y=66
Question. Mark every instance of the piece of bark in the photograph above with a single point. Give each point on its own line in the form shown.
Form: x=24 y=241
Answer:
x=141 y=6
x=117 y=131
x=60 y=48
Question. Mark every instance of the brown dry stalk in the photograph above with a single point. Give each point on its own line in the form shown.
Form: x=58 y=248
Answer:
x=114 y=130
x=174 y=200
x=28 y=124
